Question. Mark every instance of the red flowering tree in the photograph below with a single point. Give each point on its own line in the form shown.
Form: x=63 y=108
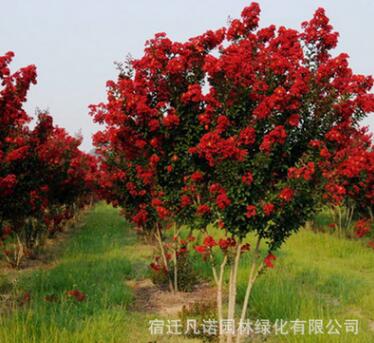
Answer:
x=64 y=173
x=13 y=144
x=149 y=128
x=350 y=188
x=232 y=129
x=13 y=134
x=44 y=177
x=281 y=106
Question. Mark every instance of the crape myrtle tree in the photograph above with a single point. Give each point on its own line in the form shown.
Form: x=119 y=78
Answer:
x=67 y=173
x=13 y=133
x=149 y=127
x=233 y=135
x=44 y=177
x=280 y=106
x=350 y=189
x=14 y=139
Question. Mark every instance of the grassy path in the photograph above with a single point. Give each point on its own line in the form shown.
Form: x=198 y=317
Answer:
x=97 y=260
x=316 y=277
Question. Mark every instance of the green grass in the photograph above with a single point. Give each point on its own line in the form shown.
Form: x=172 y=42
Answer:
x=97 y=260
x=317 y=276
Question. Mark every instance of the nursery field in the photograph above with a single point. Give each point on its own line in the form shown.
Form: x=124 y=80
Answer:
x=225 y=194
x=318 y=276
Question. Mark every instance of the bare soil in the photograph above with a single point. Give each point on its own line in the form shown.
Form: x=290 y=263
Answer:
x=150 y=298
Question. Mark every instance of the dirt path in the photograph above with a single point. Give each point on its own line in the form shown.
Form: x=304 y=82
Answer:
x=151 y=299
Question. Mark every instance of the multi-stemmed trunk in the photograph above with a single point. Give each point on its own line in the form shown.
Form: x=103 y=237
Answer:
x=158 y=236
x=233 y=290
x=254 y=272
x=255 y=269
x=175 y=248
x=172 y=280
x=218 y=278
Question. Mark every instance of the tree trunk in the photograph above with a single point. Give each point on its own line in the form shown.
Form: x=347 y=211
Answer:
x=159 y=240
x=175 y=271
x=175 y=238
x=219 y=297
x=370 y=213
x=232 y=289
x=251 y=279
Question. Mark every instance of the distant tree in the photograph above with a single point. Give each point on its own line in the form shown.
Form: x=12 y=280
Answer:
x=44 y=177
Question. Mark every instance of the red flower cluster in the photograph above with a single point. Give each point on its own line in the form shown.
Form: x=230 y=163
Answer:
x=319 y=32
x=216 y=149
x=251 y=211
x=268 y=209
x=197 y=176
x=223 y=243
x=226 y=243
x=305 y=172
x=77 y=295
x=141 y=217
x=193 y=94
x=350 y=173
x=209 y=242
x=269 y=260
x=223 y=201
x=247 y=179
x=203 y=209
x=185 y=201
x=245 y=247
x=294 y=120
x=277 y=135
x=362 y=227
x=171 y=120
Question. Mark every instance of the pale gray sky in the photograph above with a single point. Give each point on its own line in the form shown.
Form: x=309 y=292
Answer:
x=75 y=42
